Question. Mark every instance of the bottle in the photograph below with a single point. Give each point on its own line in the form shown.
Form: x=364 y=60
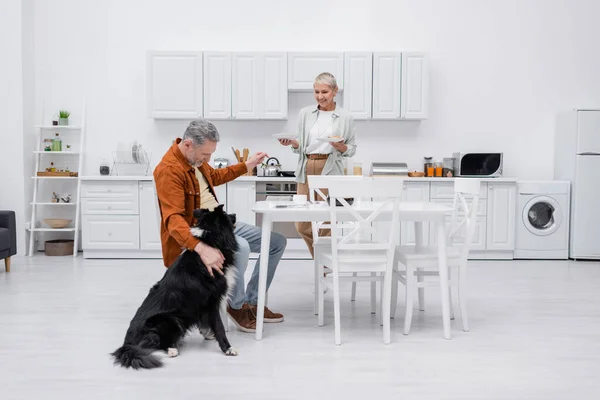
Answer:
x=428 y=166
x=56 y=143
x=438 y=169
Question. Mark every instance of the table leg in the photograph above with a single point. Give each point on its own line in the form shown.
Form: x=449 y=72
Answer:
x=262 y=273
x=443 y=270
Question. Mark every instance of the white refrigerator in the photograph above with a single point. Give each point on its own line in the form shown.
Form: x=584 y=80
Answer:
x=577 y=159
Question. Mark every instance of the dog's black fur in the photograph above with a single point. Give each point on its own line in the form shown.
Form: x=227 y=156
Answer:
x=186 y=297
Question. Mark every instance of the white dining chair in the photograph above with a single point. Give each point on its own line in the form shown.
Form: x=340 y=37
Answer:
x=351 y=248
x=412 y=265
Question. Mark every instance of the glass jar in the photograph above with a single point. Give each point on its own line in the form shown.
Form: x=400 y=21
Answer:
x=357 y=168
x=438 y=169
x=448 y=167
x=47 y=144
x=427 y=164
x=104 y=168
x=56 y=143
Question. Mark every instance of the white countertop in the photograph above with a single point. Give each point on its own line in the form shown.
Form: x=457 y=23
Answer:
x=276 y=178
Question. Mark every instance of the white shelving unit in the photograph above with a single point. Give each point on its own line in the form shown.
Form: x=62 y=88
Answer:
x=41 y=158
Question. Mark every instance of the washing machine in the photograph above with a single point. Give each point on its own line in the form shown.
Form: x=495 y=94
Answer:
x=542 y=227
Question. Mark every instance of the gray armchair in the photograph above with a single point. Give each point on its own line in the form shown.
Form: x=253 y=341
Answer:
x=8 y=237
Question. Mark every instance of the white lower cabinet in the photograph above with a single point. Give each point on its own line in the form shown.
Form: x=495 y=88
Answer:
x=108 y=232
x=241 y=197
x=120 y=219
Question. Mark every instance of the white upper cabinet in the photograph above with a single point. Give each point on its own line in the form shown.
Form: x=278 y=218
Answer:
x=400 y=85
x=415 y=86
x=303 y=68
x=274 y=93
x=217 y=85
x=358 y=78
x=174 y=84
x=259 y=86
x=386 y=85
x=245 y=84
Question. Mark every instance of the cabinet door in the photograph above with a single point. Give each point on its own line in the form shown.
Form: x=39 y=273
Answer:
x=414 y=191
x=358 y=76
x=174 y=84
x=415 y=86
x=501 y=205
x=217 y=85
x=274 y=93
x=478 y=242
x=221 y=193
x=149 y=218
x=245 y=85
x=241 y=197
x=303 y=68
x=386 y=85
x=110 y=232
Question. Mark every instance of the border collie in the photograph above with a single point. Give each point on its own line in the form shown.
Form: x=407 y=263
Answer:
x=186 y=297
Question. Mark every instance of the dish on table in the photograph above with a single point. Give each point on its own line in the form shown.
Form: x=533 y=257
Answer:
x=290 y=136
x=329 y=139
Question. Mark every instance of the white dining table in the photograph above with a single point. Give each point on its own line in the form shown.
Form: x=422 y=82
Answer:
x=416 y=211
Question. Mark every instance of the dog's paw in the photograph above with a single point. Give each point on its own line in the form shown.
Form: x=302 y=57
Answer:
x=172 y=352
x=231 y=352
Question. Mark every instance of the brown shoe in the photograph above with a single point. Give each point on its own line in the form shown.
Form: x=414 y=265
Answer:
x=270 y=316
x=243 y=318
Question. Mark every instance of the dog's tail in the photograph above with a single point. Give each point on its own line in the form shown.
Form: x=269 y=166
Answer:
x=135 y=357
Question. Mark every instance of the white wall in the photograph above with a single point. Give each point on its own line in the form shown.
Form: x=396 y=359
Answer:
x=12 y=192
x=500 y=70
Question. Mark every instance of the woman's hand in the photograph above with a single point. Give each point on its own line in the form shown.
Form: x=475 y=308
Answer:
x=293 y=142
x=339 y=146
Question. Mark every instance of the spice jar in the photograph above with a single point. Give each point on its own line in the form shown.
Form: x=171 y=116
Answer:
x=448 y=167
x=47 y=144
x=104 y=168
x=428 y=166
x=438 y=169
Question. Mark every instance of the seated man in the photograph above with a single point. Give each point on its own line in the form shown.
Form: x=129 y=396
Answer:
x=184 y=182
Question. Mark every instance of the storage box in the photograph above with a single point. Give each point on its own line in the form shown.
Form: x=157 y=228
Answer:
x=59 y=247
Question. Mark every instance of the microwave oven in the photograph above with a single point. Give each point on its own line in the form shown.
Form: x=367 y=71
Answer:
x=478 y=164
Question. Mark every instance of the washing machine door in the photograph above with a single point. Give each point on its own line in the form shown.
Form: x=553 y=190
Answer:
x=542 y=215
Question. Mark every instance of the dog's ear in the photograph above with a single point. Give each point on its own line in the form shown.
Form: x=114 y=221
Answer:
x=199 y=212
x=232 y=218
x=219 y=208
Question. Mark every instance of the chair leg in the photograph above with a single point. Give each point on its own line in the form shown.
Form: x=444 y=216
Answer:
x=410 y=288
x=394 y=295
x=450 y=294
x=320 y=297
x=462 y=296
x=336 y=307
x=421 y=291
x=353 y=293
x=317 y=285
x=7 y=264
x=373 y=294
x=385 y=305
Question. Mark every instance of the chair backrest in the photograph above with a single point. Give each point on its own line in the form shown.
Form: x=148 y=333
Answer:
x=349 y=223
x=464 y=214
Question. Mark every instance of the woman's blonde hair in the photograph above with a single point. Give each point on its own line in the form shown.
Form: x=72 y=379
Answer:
x=327 y=79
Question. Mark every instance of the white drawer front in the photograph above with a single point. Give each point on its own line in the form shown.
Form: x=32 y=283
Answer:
x=109 y=206
x=445 y=190
x=121 y=190
x=106 y=232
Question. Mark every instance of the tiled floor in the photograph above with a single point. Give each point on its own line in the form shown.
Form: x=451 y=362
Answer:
x=535 y=334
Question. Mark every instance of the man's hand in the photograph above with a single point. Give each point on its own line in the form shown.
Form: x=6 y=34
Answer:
x=339 y=146
x=211 y=257
x=287 y=142
x=255 y=160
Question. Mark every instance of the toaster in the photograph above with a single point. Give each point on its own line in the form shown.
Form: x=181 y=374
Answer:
x=478 y=164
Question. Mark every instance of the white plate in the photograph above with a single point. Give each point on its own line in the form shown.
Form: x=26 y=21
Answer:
x=285 y=135
x=330 y=139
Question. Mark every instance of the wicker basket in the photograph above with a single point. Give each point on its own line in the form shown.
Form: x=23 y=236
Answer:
x=59 y=247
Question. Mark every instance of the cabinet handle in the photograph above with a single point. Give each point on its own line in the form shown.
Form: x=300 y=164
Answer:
x=491 y=187
x=109 y=233
x=109 y=207
x=109 y=190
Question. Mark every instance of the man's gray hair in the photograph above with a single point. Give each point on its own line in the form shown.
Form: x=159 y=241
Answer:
x=199 y=131
x=327 y=79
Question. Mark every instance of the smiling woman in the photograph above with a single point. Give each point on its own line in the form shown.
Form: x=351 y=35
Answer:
x=325 y=137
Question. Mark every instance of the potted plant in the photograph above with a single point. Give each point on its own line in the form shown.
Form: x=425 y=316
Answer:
x=68 y=147
x=63 y=117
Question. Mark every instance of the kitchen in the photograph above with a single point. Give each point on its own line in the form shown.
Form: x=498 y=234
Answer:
x=499 y=74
